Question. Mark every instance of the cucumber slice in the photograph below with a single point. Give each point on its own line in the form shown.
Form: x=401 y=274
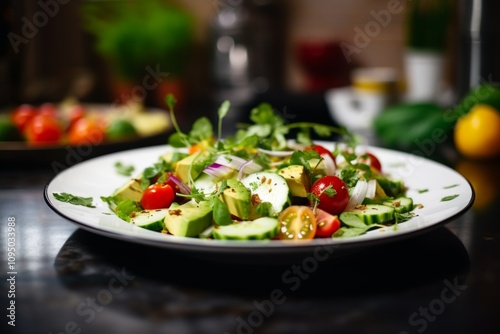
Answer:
x=150 y=219
x=401 y=204
x=268 y=187
x=258 y=229
x=374 y=213
x=205 y=183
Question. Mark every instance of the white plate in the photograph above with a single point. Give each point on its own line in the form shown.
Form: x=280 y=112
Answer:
x=97 y=177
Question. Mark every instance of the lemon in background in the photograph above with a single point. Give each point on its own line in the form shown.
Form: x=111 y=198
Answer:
x=477 y=134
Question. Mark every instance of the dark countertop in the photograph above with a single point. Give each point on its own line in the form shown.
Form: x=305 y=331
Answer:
x=71 y=281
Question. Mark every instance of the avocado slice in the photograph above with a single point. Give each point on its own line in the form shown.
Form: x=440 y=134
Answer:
x=189 y=219
x=131 y=190
x=173 y=157
x=297 y=179
x=190 y=168
x=237 y=198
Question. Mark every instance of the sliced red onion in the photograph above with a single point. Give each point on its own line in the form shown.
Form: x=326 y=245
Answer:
x=276 y=153
x=358 y=195
x=371 y=189
x=243 y=166
x=218 y=170
x=330 y=167
x=183 y=188
x=231 y=161
x=248 y=167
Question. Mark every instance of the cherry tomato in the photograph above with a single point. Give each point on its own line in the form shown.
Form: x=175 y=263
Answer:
x=86 y=131
x=321 y=151
x=43 y=130
x=327 y=224
x=48 y=109
x=297 y=223
x=329 y=162
x=157 y=196
x=372 y=161
x=332 y=193
x=76 y=113
x=22 y=115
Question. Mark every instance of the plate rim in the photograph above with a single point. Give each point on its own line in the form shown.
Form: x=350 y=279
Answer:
x=276 y=246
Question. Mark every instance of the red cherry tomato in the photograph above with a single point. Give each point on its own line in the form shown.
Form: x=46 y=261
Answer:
x=327 y=224
x=157 y=196
x=22 y=115
x=332 y=193
x=76 y=113
x=329 y=162
x=86 y=131
x=321 y=151
x=297 y=223
x=48 y=109
x=43 y=130
x=372 y=161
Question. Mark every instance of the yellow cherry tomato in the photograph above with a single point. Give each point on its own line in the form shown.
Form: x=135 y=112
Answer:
x=477 y=134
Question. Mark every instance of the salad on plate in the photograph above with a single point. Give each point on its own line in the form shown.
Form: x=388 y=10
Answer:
x=259 y=184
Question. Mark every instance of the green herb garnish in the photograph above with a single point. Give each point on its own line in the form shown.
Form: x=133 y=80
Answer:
x=75 y=200
x=448 y=198
x=125 y=170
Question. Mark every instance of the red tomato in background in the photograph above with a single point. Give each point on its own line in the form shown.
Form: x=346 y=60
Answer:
x=331 y=203
x=297 y=223
x=48 y=109
x=43 y=130
x=327 y=224
x=76 y=113
x=157 y=196
x=86 y=131
x=22 y=115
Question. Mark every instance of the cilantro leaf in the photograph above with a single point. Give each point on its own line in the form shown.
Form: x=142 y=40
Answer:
x=329 y=191
x=125 y=170
x=303 y=157
x=350 y=176
x=75 y=200
x=201 y=130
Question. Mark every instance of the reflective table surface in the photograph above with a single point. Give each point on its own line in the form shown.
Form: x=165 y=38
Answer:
x=57 y=278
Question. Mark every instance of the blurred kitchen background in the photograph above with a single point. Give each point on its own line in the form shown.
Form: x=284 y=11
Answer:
x=292 y=53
